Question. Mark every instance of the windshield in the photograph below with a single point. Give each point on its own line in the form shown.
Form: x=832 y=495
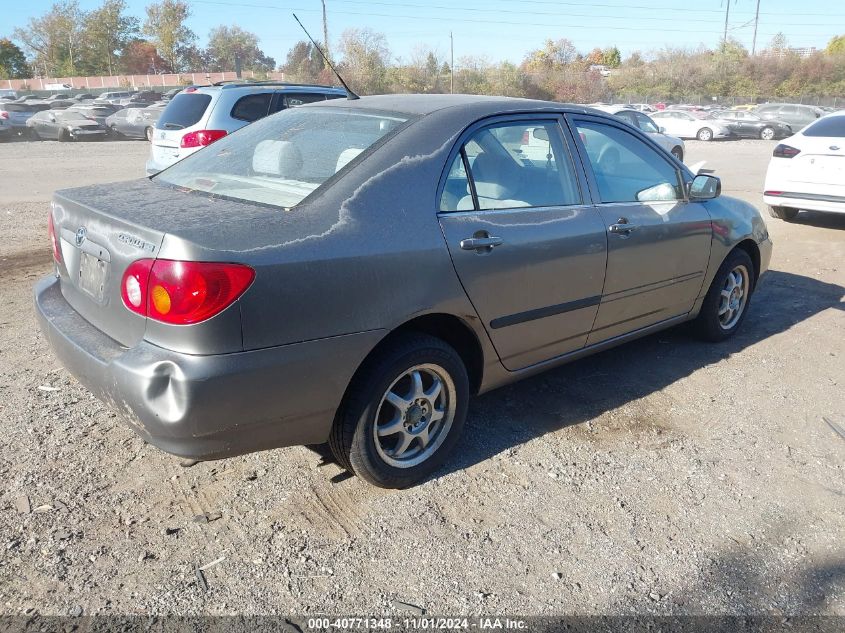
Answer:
x=281 y=159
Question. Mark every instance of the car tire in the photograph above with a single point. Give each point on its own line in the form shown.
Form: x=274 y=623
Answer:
x=33 y=135
x=705 y=134
x=384 y=394
x=64 y=136
x=721 y=316
x=767 y=134
x=678 y=153
x=149 y=134
x=787 y=214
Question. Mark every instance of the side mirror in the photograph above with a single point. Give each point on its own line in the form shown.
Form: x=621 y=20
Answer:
x=705 y=187
x=661 y=129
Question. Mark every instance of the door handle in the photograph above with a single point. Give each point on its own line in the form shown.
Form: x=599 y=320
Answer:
x=622 y=227
x=481 y=244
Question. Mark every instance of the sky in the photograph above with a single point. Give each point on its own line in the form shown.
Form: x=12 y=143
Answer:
x=501 y=29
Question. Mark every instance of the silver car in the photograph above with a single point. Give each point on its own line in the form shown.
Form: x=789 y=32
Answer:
x=351 y=272
x=199 y=115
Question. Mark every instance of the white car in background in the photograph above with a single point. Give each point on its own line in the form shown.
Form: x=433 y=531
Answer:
x=671 y=144
x=685 y=125
x=807 y=170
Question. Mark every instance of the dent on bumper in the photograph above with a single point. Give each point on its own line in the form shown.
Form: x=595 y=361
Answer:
x=207 y=406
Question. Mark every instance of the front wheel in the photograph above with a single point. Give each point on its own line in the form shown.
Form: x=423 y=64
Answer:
x=783 y=213
x=726 y=302
x=678 y=153
x=64 y=136
x=705 y=134
x=33 y=135
x=403 y=413
x=767 y=134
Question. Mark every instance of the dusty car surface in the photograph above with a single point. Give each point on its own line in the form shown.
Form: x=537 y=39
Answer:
x=352 y=271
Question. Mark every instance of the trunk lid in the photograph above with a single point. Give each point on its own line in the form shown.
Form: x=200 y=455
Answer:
x=821 y=162
x=97 y=246
x=127 y=221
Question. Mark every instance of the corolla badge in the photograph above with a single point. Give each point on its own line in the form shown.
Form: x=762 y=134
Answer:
x=81 y=234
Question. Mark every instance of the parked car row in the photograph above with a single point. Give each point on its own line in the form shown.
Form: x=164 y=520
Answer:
x=64 y=117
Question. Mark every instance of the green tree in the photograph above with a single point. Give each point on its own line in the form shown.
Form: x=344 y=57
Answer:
x=365 y=57
x=107 y=32
x=12 y=61
x=836 y=45
x=303 y=62
x=165 y=24
x=611 y=57
x=54 y=40
x=228 y=43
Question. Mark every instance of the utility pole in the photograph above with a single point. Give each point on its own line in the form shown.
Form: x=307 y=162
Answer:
x=326 y=31
x=727 y=13
x=452 y=64
x=756 y=19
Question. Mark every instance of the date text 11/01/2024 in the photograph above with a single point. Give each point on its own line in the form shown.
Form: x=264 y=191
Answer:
x=417 y=624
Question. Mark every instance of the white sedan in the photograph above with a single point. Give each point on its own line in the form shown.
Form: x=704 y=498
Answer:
x=685 y=125
x=807 y=170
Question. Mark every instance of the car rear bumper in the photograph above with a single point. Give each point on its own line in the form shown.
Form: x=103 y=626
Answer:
x=807 y=202
x=207 y=407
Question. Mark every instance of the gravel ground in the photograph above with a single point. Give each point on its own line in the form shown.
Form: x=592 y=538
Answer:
x=666 y=476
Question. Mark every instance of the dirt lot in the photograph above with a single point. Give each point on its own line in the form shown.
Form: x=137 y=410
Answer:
x=666 y=476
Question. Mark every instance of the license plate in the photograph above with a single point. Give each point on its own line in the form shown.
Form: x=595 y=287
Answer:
x=92 y=275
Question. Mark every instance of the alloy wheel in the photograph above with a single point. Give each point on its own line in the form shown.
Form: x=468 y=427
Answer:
x=733 y=297
x=415 y=416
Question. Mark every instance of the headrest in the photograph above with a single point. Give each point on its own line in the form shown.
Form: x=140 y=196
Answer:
x=346 y=157
x=277 y=158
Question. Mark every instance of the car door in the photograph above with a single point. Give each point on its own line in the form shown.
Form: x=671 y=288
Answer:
x=658 y=242
x=529 y=248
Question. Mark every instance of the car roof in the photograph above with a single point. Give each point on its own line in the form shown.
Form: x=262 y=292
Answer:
x=422 y=104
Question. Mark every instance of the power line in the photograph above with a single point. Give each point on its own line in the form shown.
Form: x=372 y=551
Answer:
x=470 y=20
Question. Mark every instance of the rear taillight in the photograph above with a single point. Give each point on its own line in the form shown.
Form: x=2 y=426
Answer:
x=4 y=114
x=54 y=242
x=525 y=139
x=201 y=138
x=785 y=151
x=183 y=292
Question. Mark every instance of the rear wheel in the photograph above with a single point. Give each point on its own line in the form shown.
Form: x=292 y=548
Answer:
x=726 y=302
x=705 y=134
x=767 y=134
x=783 y=213
x=403 y=413
x=678 y=153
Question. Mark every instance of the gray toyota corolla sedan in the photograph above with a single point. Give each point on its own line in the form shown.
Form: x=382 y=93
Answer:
x=351 y=272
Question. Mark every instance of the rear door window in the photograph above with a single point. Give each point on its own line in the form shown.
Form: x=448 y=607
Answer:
x=252 y=107
x=184 y=110
x=512 y=165
x=293 y=99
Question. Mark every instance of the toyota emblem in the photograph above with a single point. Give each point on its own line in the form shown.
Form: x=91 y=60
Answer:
x=81 y=233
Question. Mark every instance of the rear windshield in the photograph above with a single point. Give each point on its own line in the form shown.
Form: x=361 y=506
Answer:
x=280 y=160
x=184 y=110
x=829 y=126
